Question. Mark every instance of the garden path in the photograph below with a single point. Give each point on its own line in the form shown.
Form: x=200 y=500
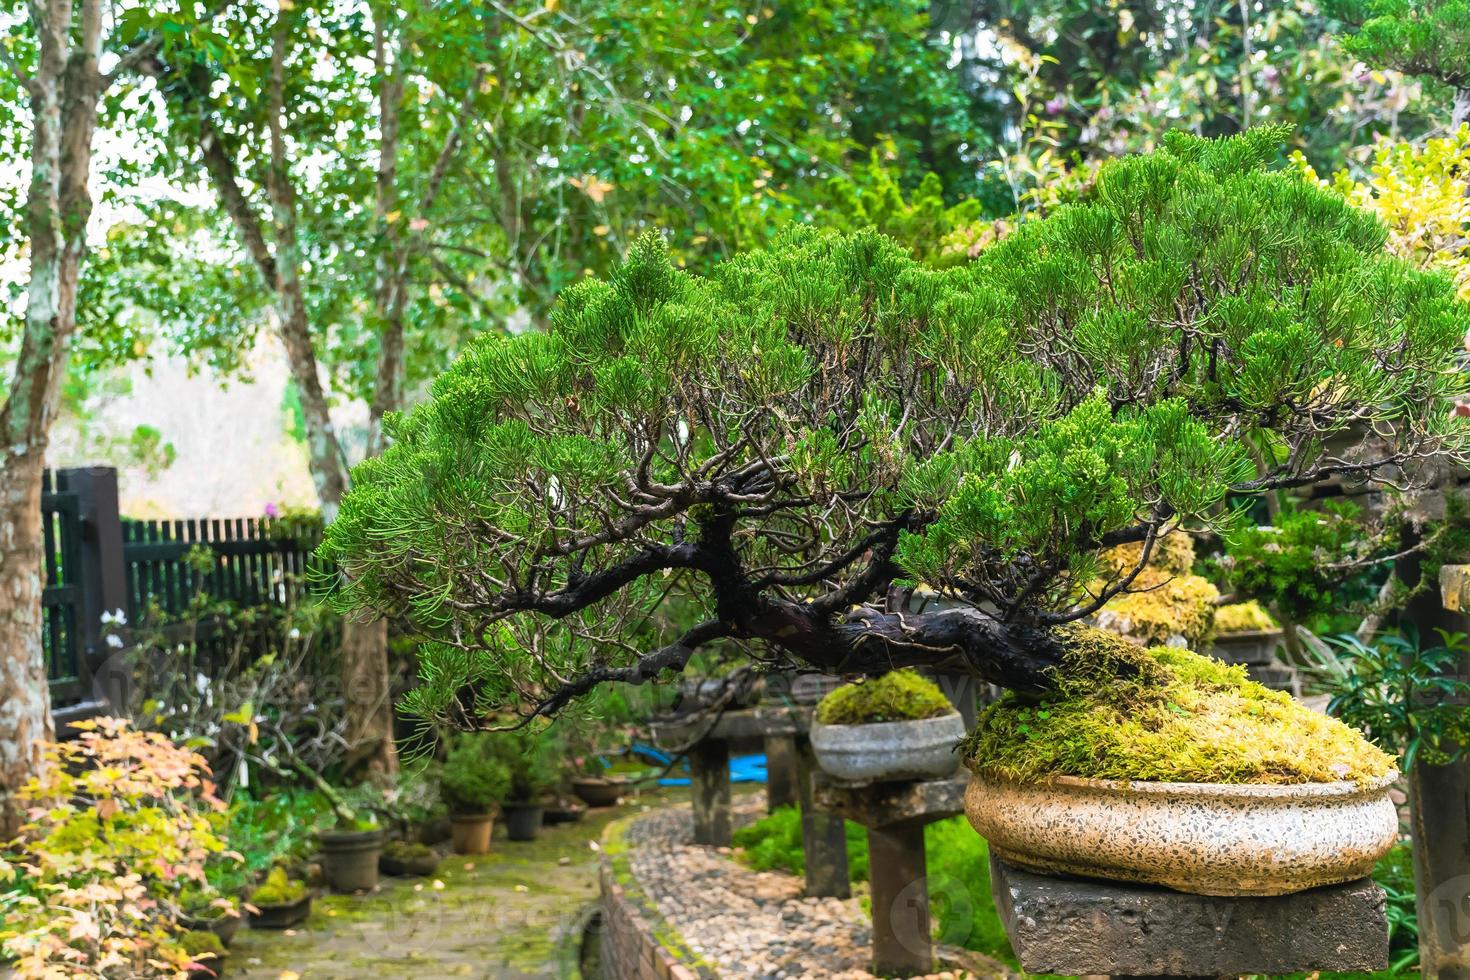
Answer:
x=507 y=915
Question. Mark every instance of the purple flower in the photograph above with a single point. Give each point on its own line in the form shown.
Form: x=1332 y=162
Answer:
x=1055 y=105
x=1270 y=74
x=271 y=510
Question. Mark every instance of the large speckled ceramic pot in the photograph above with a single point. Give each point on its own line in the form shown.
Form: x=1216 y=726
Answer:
x=1204 y=838
x=889 y=750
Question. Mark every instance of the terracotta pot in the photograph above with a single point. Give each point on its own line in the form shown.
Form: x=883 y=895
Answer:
x=350 y=859
x=522 y=820
x=598 y=790
x=281 y=916
x=889 y=750
x=1203 y=838
x=470 y=833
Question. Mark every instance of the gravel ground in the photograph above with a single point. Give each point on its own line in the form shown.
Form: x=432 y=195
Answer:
x=749 y=925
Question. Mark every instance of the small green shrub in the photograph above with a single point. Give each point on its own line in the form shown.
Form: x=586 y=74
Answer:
x=278 y=889
x=531 y=762
x=900 y=695
x=474 y=779
x=1165 y=715
x=773 y=843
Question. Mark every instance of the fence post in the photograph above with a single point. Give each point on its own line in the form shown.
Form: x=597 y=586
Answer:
x=103 y=580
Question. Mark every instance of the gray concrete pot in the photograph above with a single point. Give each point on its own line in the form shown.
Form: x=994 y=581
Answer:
x=889 y=750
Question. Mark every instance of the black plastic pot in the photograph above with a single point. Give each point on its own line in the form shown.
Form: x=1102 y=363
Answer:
x=522 y=820
x=350 y=859
x=598 y=790
x=281 y=916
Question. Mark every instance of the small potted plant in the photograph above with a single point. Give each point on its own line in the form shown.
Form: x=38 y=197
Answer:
x=898 y=726
x=1169 y=768
x=404 y=859
x=532 y=777
x=473 y=782
x=279 y=902
x=206 y=951
x=350 y=850
x=204 y=909
x=593 y=786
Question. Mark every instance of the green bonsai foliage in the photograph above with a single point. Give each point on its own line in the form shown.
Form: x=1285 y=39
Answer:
x=1430 y=38
x=474 y=778
x=1180 y=717
x=1303 y=564
x=1244 y=617
x=900 y=695
x=530 y=760
x=778 y=446
x=278 y=889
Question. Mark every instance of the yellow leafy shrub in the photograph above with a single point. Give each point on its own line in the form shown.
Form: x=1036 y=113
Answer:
x=1422 y=193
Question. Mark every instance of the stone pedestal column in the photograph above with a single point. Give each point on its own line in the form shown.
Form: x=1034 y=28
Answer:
x=823 y=836
x=709 y=765
x=898 y=873
x=783 y=769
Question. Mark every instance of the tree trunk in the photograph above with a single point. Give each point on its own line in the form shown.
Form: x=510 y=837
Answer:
x=64 y=93
x=367 y=687
x=25 y=696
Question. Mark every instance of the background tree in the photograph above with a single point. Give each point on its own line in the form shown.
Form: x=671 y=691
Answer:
x=54 y=65
x=815 y=427
x=1429 y=38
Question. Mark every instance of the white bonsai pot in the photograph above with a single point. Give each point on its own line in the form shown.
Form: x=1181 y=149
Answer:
x=889 y=750
x=1203 y=838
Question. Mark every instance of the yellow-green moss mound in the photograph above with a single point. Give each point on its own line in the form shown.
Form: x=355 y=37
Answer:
x=1180 y=717
x=1243 y=617
x=901 y=695
x=1164 y=605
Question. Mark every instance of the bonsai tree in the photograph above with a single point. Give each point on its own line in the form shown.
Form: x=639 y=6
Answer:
x=792 y=443
x=474 y=779
x=532 y=769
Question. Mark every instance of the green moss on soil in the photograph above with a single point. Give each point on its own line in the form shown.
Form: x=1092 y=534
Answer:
x=1165 y=715
x=1243 y=617
x=278 y=889
x=901 y=695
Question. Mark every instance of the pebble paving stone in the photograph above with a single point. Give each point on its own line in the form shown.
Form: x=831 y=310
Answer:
x=749 y=925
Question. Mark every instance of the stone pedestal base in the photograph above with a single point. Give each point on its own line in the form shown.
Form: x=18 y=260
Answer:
x=1078 y=928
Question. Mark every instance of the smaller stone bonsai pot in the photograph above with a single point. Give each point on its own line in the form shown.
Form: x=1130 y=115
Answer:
x=279 y=902
x=1245 y=633
x=350 y=858
x=894 y=728
x=401 y=859
x=598 y=791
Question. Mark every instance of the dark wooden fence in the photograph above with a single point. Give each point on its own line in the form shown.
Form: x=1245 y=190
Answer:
x=99 y=564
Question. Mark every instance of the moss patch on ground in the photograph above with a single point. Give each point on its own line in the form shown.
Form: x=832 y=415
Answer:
x=900 y=695
x=1165 y=715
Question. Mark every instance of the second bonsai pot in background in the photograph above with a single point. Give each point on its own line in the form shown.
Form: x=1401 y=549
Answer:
x=470 y=832
x=350 y=859
x=522 y=820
